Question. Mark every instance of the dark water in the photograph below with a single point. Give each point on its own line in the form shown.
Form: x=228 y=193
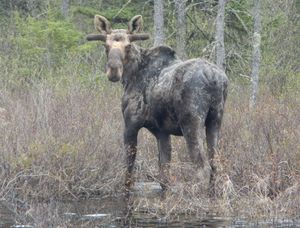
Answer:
x=109 y=212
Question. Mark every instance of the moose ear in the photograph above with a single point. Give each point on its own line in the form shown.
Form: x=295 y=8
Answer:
x=135 y=24
x=102 y=25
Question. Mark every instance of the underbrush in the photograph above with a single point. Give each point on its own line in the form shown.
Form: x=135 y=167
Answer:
x=257 y=165
x=64 y=141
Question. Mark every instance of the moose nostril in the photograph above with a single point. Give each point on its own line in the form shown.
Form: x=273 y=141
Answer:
x=114 y=69
x=114 y=65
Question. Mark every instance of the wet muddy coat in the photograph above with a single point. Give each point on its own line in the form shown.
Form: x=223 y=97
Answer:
x=170 y=96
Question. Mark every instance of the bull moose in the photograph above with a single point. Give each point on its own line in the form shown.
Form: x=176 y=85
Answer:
x=164 y=94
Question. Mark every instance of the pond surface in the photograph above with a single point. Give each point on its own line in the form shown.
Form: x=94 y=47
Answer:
x=109 y=212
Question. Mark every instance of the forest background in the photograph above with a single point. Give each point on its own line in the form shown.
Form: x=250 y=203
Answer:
x=60 y=118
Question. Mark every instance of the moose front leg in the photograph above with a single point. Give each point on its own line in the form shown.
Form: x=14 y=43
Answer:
x=130 y=143
x=164 y=149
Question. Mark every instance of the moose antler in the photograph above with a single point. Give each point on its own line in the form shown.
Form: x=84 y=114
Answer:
x=141 y=36
x=93 y=37
x=132 y=37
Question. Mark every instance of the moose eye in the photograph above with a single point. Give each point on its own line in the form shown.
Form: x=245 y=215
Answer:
x=128 y=47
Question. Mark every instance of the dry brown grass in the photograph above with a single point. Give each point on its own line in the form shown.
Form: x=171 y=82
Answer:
x=258 y=164
x=59 y=143
x=65 y=141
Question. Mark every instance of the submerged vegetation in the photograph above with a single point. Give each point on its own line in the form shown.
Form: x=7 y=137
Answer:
x=61 y=125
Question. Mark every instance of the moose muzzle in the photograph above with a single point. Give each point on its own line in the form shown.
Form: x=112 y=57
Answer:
x=114 y=66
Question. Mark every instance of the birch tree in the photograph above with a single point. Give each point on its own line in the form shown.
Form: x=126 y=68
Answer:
x=159 y=37
x=181 y=28
x=256 y=56
x=65 y=5
x=219 y=37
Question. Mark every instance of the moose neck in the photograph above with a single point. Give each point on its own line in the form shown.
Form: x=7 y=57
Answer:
x=131 y=67
x=144 y=66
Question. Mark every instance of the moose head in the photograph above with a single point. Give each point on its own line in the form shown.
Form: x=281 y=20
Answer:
x=117 y=43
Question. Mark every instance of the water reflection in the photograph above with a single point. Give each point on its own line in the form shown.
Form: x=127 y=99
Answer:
x=109 y=212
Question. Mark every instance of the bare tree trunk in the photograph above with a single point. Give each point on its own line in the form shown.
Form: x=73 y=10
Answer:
x=220 y=23
x=159 y=37
x=65 y=5
x=181 y=28
x=256 y=56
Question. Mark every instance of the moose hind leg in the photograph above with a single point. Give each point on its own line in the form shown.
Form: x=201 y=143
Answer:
x=213 y=124
x=164 y=149
x=193 y=132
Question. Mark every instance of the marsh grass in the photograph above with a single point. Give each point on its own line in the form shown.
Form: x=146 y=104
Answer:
x=62 y=139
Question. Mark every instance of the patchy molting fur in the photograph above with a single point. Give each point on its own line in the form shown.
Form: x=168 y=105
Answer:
x=167 y=96
x=160 y=83
x=173 y=97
